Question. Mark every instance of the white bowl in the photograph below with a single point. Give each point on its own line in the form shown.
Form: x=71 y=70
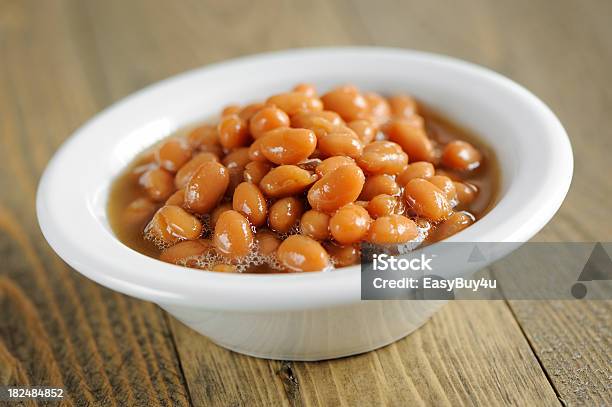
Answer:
x=307 y=316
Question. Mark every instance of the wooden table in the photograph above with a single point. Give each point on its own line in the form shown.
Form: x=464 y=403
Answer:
x=62 y=61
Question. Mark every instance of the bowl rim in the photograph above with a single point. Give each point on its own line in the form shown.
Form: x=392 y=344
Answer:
x=280 y=291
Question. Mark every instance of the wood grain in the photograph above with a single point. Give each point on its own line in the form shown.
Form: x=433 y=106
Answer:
x=470 y=353
x=61 y=61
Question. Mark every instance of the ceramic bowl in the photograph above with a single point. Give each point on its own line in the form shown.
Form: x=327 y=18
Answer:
x=302 y=316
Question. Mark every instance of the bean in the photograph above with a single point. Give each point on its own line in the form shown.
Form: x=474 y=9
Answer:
x=286 y=180
x=343 y=255
x=173 y=154
x=214 y=215
x=295 y=102
x=255 y=153
x=237 y=158
x=379 y=108
x=315 y=224
x=267 y=242
x=446 y=185
x=450 y=174
x=307 y=89
x=255 y=171
x=139 y=211
x=288 y=146
x=320 y=123
x=402 y=106
x=427 y=200
x=383 y=157
x=158 y=184
x=177 y=198
x=186 y=253
x=332 y=163
x=230 y=109
x=337 y=188
x=349 y=224
x=379 y=184
x=224 y=268
x=249 y=110
x=392 y=229
x=466 y=192
x=233 y=131
x=382 y=205
x=419 y=169
x=266 y=119
x=412 y=139
x=284 y=214
x=301 y=253
x=461 y=155
x=172 y=223
x=205 y=135
x=365 y=130
x=233 y=236
x=186 y=171
x=206 y=187
x=347 y=102
x=249 y=201
x=454 y=224
x=340 y=143
x=235 y=178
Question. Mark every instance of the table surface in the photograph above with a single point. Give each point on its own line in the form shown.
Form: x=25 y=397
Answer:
x=61 y=61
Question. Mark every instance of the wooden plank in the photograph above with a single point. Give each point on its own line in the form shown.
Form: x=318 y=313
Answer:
x=58 y=328
x=471 y=352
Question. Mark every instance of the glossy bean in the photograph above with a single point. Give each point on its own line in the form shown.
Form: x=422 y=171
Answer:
x=172 y=223
x=315 y=224
x=267 y=242
x=347 y=102
x=286 y=180
x=446 y=185
x=412 y=139
x=336 y=189
x=186 y=253
x=233 y=236
x=173 y=154
x=255 y=171
x=307 y=89
x=177 y=198
x=249 y=201
x=266 y=119
x=139 y=211
x=379 y=184
x=343 y=255
x=426 y=200
x=454 y=224
x=350 y=224
x=461 y=155
x=186 y=171
x=382 y=205
x=295 y=102
x=206 y=187
x=392 y=229
x=383 y=157
x=379 y=108
x=284 y=214
x=365 y=130
x=332 y=163
x=247 y=112
x=340 y=144
x=301 y=253
x=402 y=106
x=419 y=169
x=288 y=146
x=205 y=135
x=466 y=192
x=233 y=131
x=157 y=183
x=219 y=209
